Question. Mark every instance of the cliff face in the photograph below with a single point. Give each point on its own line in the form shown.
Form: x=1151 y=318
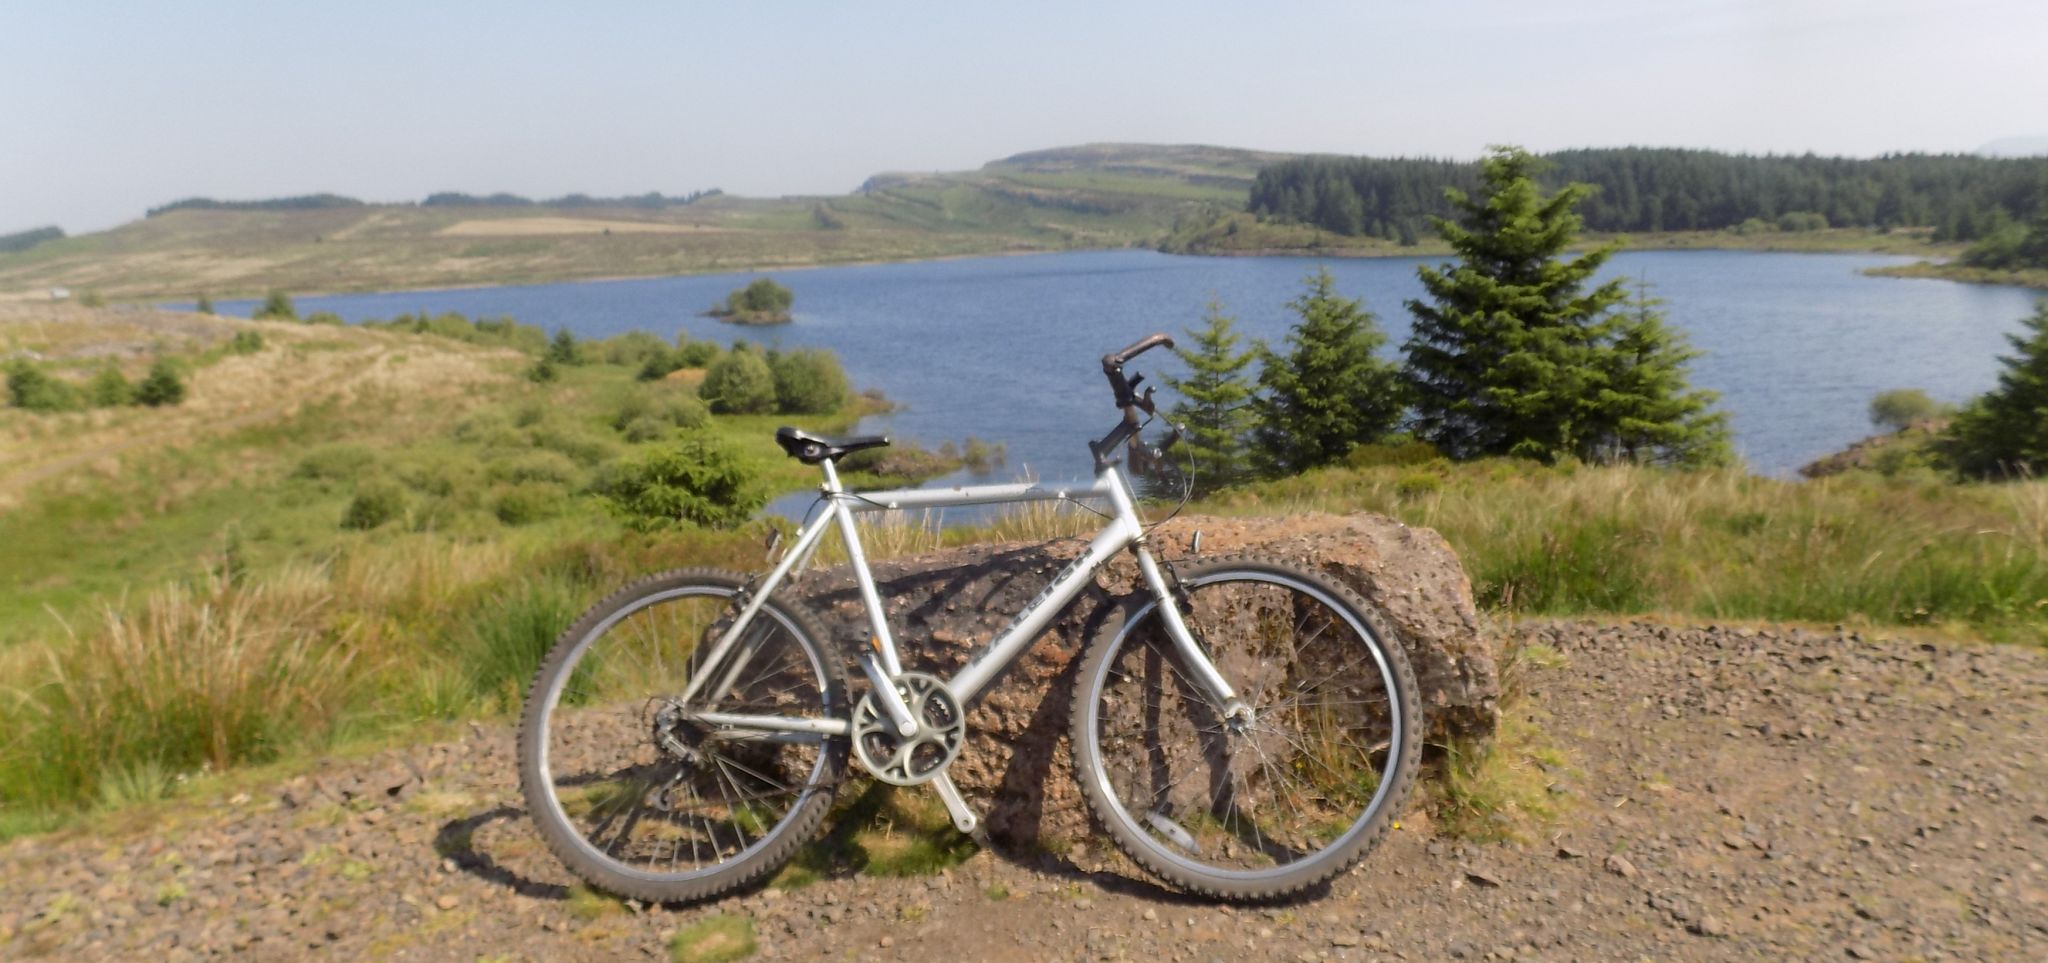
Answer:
x=945 y=606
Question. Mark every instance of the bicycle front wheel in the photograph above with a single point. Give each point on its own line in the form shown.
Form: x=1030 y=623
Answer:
x=636 y=797
x=1265 y=804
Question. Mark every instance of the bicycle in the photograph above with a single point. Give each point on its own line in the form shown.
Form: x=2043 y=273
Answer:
x=1242 y=728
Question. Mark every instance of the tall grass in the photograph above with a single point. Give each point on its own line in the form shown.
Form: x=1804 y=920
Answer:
x=1717 y=544
x=200 y=676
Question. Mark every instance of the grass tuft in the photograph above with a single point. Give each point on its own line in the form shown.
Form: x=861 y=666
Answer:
x=714 y=939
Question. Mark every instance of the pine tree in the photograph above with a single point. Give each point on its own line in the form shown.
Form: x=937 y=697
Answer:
x=1329 y=390
x=1217 y=402
x=2005 y=432
x=1505 y=357
x=1645 y=410
x=162 y=386
x=563 y=349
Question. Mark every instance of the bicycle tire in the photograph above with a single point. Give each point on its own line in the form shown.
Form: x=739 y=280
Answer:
x=543 y=716
x=1131 y=698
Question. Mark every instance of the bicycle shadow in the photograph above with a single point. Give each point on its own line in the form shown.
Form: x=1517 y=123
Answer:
x=457 y=841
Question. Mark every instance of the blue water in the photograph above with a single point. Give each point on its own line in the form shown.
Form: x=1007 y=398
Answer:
x=1006 y=348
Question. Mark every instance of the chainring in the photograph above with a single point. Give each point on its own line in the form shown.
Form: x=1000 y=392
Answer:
x=920 y=757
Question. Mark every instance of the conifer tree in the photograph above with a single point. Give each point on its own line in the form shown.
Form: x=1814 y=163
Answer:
x=1328 y=391
x=2005 y=433
x=1644 y=410
x=1504 y=356
x=1217 y=401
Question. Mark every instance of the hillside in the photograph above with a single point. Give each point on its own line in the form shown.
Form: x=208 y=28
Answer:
x=1106 y=195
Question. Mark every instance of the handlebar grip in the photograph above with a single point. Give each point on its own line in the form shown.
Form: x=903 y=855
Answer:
x=1136 y=349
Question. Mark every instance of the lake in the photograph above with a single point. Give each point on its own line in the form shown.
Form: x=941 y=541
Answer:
x=1007 y=348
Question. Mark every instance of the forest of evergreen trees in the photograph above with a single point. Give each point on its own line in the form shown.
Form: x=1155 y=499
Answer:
x=1963 y=197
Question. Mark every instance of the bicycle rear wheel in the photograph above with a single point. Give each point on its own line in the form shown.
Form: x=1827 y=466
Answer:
x=1260 y=807
x=638 y=799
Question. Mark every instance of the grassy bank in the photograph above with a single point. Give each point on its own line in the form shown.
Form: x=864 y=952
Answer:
x=1967 y=559
x=1951 y=271
x=1241 y=234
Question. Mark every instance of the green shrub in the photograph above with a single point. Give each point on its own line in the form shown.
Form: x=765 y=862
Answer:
x=335 y=463
x=696 y=354
x=92 y=299
x=808 y=381
x=1894 y=410
x=245 y=342
x=658 y=366
x=542 y=372
x=693 y=481
x=1392 y=452
x=377 y=501
x=1418 y=483
x=325 y=317
x=563 y=349
x=528 y=502
x=981 y=457
x=34 y=389
x=162 y=386
x=204 y=305
x=277 y=306
x=660 y=407
x=582 y=445
x=645 y=428
x=538 y=466
x=739 y=384
x=110 y=389
x=630 y=350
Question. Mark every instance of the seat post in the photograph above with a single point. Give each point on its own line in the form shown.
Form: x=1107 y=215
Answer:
x=831 y=486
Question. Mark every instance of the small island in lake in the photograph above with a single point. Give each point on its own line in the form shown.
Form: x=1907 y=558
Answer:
x=762 y=302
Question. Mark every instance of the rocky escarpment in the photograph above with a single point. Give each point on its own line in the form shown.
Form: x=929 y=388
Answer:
x=945 y=606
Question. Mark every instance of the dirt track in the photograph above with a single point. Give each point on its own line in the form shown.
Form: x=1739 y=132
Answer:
x=1730 y=795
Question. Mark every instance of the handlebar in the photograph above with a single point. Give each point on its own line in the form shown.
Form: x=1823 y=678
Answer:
x=1135 y=349
x=1128 y=398
x=1113 y=369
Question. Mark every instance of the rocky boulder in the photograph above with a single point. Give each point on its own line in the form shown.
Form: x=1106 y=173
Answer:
x=945 y=606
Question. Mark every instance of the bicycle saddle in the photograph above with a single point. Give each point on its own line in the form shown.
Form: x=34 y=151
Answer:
x=812 y=449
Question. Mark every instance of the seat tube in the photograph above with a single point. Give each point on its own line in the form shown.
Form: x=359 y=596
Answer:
x=1169 y=609
x=878 y=623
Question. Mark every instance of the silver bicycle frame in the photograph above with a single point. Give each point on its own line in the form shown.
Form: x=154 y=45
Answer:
x=1124 y=532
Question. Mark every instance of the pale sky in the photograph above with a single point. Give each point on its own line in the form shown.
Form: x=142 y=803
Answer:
x=109 y=108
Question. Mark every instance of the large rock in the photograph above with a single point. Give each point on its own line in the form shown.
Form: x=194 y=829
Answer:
x=943 y=607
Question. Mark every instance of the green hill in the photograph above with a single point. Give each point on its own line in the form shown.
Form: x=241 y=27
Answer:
x=1102 y=195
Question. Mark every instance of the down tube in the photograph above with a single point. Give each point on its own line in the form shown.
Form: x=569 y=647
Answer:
x=1042 y=610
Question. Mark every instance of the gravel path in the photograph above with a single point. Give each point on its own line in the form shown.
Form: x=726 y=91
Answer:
x=1731 y=794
